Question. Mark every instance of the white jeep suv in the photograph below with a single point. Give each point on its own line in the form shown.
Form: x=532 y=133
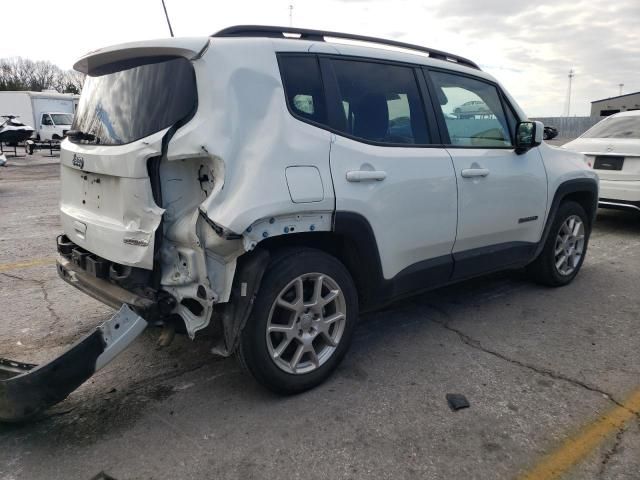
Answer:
x=274 y=184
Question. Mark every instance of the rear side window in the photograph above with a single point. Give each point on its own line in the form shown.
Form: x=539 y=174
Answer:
x=303 y=87
x=381 y=102
x=473 y=111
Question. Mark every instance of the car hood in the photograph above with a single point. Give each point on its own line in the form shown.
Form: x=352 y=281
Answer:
x=624 y=146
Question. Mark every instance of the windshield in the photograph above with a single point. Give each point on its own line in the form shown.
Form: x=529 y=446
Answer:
x=131 y=104
x=615 y=127
x=62 y=118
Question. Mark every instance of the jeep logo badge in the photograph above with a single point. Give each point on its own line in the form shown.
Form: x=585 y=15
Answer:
x=78 y=161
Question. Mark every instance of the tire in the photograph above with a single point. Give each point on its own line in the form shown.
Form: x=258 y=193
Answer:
x=274 y=358
x=545 y=269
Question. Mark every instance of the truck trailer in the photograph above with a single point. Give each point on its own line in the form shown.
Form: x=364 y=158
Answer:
x=49 y=113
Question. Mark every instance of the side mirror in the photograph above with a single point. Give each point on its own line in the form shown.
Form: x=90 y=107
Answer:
x=528 y=135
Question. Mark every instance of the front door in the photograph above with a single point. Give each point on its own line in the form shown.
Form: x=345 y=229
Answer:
x=46 y=127
x=386 y=168
x=502 y=195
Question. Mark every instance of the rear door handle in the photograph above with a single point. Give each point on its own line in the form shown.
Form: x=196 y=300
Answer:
x=475 y=172
x=366 y=175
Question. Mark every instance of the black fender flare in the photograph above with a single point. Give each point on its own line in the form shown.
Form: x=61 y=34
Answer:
x=576 y=185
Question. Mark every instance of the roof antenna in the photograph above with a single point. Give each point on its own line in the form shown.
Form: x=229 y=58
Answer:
x=167 y=15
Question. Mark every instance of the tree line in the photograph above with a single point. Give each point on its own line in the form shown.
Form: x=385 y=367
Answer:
x=23 y=74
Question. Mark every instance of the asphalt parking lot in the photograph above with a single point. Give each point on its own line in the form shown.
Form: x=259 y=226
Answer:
x=552 y=376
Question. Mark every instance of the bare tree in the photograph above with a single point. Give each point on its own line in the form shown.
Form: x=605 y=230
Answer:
x=24 y=74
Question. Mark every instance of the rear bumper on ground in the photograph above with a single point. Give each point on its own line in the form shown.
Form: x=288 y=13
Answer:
x=27 y=389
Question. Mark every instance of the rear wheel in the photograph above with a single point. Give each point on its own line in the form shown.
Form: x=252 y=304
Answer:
x=565 y=247
x=301 y=323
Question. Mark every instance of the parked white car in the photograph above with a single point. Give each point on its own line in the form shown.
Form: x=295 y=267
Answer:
x=279 y=186
x=612 y=149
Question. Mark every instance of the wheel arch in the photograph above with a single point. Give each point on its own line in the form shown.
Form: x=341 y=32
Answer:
x=583 y=191
x=351 y=241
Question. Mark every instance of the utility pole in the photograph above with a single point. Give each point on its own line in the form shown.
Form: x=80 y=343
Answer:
x=291 y=15
x=568 y=109
x=167 y=15
x=621 y=85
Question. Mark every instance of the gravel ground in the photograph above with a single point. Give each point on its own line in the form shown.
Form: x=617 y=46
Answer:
x=536 y=364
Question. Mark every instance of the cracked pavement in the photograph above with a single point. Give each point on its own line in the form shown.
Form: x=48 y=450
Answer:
x=536 y=365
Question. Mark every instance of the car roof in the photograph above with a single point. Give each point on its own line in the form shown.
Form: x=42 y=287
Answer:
x=629 y=113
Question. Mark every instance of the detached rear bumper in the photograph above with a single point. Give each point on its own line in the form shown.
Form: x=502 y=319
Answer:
x=26 y=389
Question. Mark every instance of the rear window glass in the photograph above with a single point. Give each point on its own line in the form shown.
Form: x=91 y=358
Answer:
x=131 y=104
x=615 y=127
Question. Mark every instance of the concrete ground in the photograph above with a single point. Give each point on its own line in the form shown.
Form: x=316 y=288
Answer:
x=539 y=367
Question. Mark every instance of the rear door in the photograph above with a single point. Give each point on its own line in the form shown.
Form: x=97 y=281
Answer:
x=502 y=195
x=387 y=165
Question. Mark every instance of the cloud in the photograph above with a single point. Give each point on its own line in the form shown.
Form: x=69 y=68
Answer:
x=540 y=41
x=528 y=45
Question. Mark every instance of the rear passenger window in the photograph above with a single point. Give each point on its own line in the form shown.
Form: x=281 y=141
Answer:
x=303 y=87
x=473 y=111
x=381 y=102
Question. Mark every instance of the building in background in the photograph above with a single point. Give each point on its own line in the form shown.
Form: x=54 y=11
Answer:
x=621 y=103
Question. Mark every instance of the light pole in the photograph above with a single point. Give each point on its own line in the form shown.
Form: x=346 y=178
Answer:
x=291 y=15
x=571 y=75
x=621 y=85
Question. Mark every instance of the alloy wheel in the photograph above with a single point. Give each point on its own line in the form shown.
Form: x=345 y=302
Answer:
x=569 y=246
x=306 y=323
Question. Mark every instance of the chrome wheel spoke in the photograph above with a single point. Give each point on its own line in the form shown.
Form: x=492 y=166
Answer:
x=316 y=298
x=289 y=306
x=330 y=297
x=332 y=318
x=576 y=229
x=314 y=357
x=328 y=339
x=297 y=356
x=282 y=347
x=286 y=329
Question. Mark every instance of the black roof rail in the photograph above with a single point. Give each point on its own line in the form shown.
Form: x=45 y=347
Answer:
x=319 y=36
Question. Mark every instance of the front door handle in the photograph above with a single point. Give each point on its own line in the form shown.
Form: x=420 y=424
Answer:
x=365 y=175
x=475 y=172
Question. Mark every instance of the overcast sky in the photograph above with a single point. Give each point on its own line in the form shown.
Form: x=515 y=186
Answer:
x=528 y=45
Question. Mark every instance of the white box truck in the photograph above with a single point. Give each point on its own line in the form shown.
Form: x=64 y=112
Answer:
x=49 y=113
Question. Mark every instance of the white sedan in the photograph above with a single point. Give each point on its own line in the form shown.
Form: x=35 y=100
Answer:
x=612 y=148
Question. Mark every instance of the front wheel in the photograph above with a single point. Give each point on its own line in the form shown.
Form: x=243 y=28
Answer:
x=302 y=321
x=565 y=247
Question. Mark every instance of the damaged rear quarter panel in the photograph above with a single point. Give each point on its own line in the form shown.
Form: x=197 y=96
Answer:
x=242 y=138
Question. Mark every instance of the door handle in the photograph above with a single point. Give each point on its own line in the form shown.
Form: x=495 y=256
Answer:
x=365 y=175
x=475 y=172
